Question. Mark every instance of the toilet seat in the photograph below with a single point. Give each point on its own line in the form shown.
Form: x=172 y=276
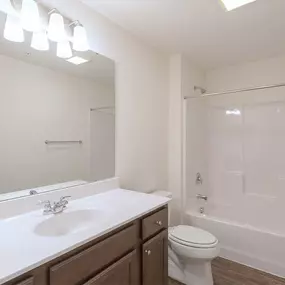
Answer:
x=192 y=237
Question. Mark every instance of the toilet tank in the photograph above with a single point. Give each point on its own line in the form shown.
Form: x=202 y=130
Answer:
x=164 y=194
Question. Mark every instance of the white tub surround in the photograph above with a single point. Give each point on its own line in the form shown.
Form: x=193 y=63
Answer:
x=238 y=149
x=112 y=209
x=254 y=247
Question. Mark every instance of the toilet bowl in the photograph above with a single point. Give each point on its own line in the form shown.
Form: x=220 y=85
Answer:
x=190 y=253
x=192 y=250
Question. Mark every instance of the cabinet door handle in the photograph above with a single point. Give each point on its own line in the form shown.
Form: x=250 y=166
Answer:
x=148 y=252
x=159 y=223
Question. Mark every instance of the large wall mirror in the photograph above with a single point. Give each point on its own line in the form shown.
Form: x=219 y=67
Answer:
x=57 y=118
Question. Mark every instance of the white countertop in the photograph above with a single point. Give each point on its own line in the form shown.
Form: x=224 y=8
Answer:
x=22 y=249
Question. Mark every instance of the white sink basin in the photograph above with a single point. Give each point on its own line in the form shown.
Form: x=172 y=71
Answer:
x=67 y=223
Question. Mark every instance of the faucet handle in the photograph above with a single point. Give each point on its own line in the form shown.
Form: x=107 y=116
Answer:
x=203 y=197
x=47 y=202
x=64 y=198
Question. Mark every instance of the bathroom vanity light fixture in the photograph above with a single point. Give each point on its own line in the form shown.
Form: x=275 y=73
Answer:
x=40 y=41
x=233 y=4
x=64 y=49
x=13 y=30
x=77 y=60
x=30 y=18
x=80 y=41
x=56 y=32
x=7 y=7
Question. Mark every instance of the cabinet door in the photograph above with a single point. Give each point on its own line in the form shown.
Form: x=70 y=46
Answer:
x=123 y=272
x=155 y=260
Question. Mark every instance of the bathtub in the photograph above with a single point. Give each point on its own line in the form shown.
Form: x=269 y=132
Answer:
x=255 y=247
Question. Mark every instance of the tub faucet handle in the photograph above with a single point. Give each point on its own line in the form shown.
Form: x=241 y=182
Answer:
x=202 y=197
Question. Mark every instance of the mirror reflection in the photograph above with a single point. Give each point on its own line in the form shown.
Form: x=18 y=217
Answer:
x=57 y=118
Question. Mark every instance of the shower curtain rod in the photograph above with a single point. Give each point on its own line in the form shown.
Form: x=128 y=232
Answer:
x=235 y=91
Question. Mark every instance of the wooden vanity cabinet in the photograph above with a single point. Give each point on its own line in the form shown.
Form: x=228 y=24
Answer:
x=135 y=254
x=154 y=223
x=86 y=263
x=123 y=272
x=29 y=281
x=155 y=260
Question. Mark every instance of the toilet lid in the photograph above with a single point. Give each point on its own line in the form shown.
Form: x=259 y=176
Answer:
x=192 y=236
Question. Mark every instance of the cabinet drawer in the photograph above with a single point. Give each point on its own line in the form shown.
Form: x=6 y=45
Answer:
x=29 y=281
x=120 y=273
x=85 y=264
x=155 y=223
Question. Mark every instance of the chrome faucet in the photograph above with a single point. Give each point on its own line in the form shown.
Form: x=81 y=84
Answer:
x=56 y=208
x=203 y=197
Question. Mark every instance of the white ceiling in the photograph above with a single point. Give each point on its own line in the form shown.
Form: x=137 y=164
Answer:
x=99 y=68
x=201 y=29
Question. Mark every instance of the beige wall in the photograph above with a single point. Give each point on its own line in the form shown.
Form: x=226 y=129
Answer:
x=38 y=104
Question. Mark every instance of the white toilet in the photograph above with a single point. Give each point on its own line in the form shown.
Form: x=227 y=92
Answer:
x=190 y=252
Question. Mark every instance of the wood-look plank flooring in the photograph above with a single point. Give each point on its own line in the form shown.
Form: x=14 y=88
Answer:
x=226 y=272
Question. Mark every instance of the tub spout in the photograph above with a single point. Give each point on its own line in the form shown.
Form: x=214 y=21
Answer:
x=203 y=197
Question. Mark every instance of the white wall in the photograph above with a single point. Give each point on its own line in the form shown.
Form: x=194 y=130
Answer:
x=182 y=78
x=250 y=74
x=38 y=104
x=175 y=136
x=141 y=98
